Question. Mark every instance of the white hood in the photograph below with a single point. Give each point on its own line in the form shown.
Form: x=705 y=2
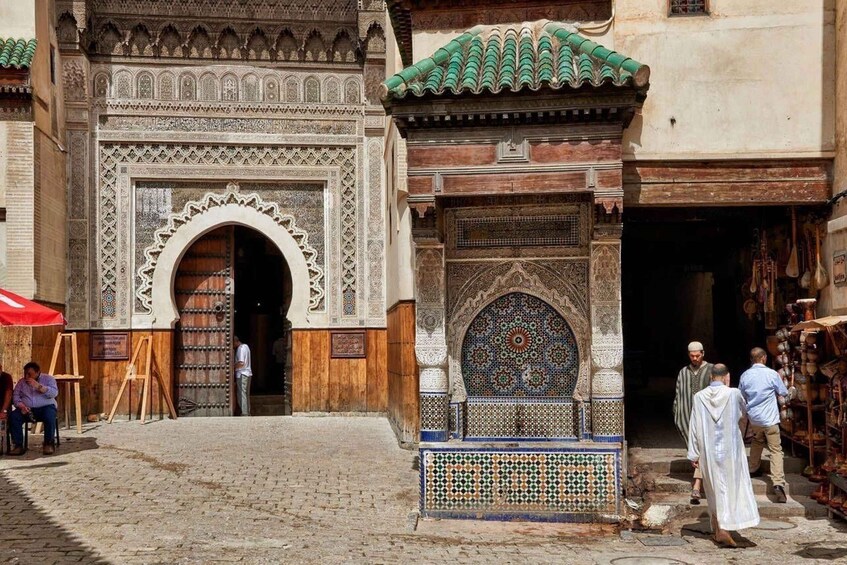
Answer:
x=715 y=399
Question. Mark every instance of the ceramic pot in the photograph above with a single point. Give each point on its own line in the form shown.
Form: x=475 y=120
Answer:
x=811 y=338
x=811 y=393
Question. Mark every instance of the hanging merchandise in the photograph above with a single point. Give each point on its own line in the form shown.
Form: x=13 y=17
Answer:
x=806 y=280
x=763 y=283
x=821 y=277
x=792 y=269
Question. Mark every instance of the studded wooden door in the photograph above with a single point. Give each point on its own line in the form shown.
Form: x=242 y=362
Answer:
x=204 y=298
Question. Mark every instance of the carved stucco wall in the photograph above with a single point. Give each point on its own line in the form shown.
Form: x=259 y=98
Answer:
x=222 y=123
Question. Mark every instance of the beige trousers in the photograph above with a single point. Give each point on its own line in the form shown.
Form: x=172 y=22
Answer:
x=768 y=436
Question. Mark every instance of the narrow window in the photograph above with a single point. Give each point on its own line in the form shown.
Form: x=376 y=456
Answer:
x=52 y=65
x=688 y=7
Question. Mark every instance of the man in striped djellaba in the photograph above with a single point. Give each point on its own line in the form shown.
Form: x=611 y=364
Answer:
x=691 y=379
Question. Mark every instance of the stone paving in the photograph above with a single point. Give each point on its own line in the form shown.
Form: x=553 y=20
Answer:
x=302 y=490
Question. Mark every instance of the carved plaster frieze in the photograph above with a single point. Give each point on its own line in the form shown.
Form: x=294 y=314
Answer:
x=231 y=196
x=113 y=253
x=606 y=321
x=232 y=86
x=430 y=343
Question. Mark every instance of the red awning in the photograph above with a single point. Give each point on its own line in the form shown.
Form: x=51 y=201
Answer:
x=18 y=311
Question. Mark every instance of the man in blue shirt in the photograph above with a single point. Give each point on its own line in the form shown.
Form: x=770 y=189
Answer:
x=760 y=387
x=34 y=397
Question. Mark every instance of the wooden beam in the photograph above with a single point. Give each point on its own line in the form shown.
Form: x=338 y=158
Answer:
x=727 y=183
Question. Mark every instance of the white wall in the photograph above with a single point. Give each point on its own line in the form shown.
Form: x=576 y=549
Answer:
x=834 y=299
x=753 y=79
x=17 y=18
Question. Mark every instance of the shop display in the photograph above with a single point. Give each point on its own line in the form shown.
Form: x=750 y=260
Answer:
x=802 y=412
x=823 y=380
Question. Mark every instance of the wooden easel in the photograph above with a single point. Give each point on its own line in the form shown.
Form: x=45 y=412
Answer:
x=151 y=368
x=72 y=378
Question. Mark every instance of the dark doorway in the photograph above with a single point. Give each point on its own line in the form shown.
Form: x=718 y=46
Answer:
x=262 y=297
x=683 y=274
x=232 y=279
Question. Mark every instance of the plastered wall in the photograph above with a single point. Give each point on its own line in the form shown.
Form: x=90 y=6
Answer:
x=753 y=79
x=834 y=299
x=17 y=18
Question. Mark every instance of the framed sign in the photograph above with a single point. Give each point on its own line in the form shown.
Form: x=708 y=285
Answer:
x=839 y=268
x=351 y=344
x=109 y=346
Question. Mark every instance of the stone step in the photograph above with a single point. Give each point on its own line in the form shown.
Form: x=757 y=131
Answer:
x=681 y=483
x=679 y=507
x=673 y=461
x=267 y=405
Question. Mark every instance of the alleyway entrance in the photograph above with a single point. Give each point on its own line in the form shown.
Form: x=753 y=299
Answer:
x=686 y=277
x=232 y=281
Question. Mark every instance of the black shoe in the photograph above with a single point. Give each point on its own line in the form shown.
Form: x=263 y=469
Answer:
x=756 y=473
x=780 y=494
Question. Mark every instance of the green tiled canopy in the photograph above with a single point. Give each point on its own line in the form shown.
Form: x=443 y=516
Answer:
x=16 y=53
x=513 y=58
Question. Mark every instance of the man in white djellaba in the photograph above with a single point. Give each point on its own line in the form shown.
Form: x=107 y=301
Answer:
x=716 y=447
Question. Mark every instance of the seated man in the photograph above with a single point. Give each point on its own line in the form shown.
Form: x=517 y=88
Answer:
x=35 y=400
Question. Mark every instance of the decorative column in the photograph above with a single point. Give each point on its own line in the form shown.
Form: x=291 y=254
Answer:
x=607 y=415
x=431 y=340
x=81 y=206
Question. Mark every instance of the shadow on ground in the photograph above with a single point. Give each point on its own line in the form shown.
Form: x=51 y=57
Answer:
x=825 y=551
x=30 y=535
x=66 y=446
x=702 y=530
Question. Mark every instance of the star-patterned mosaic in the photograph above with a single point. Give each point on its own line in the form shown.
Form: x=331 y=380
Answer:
x=519 y=481
x=519 y=346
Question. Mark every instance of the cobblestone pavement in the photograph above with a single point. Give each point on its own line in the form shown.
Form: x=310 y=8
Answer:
x=299 y=490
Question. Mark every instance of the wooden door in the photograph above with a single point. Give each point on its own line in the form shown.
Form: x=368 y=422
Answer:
x=203 y=344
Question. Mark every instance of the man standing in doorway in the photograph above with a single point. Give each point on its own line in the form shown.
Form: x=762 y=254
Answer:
x=691 y=379
x=760 y=386
x=243 y=374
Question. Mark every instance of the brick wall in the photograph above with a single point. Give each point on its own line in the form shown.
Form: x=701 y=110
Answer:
x=50 y=214
x=19 y=181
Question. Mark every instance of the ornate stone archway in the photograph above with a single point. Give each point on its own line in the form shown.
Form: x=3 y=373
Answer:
x=215 y=210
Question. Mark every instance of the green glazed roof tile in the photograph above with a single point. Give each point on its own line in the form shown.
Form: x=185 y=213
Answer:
x=529 y=56
x=16 y=53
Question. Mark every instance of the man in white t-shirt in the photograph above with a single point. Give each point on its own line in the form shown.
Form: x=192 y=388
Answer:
x=243 y=374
